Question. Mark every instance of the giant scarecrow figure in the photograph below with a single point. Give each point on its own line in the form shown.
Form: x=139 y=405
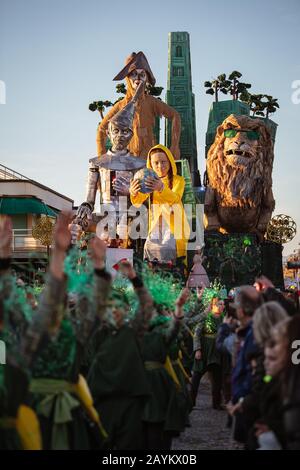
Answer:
x=137 y=70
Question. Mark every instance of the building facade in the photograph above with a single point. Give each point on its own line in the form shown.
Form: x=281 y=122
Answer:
x=26 y=201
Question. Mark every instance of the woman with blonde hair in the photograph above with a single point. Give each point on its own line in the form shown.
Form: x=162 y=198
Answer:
x=264 y=319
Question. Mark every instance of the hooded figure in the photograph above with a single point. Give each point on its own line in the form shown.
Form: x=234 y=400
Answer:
x=148 y=108
x=168 y=225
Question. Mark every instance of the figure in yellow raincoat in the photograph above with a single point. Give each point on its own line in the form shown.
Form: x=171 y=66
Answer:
x=168 y=225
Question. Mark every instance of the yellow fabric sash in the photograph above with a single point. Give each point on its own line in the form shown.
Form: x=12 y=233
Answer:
x=27 y=426
x=60 y=392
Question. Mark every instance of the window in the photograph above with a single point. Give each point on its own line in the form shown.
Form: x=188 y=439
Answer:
x=178 y=51
x=178 y=71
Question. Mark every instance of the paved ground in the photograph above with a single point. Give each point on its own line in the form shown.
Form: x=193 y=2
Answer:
x=208 y=427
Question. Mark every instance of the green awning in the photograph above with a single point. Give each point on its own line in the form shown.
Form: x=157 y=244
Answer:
x=24 y=205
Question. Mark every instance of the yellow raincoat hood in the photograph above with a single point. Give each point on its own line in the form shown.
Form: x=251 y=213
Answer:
x=161 y=202
x=167 y=152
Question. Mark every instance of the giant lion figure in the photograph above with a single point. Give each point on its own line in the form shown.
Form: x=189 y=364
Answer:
x=239 y=195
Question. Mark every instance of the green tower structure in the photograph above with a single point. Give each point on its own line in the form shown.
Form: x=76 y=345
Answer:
x=181 y=97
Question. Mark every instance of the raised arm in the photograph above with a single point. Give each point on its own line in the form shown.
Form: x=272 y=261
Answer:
x=145 y=311
x=178 y=316
x=8 y=289
x=52 y=303
x=89 y=310
x=5 y=255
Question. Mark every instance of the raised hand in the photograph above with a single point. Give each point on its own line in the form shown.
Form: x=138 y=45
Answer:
x=98 y=252
x=61 y=242
x=183 y=297
x=62 y=234
x=5 y=237
x=126 y=268
x=263 y=283
x=181 y=300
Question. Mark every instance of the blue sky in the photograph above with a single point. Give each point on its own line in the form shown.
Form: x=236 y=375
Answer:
x=56 y=56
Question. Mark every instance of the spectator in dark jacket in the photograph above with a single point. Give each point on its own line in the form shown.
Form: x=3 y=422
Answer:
x=247 y=300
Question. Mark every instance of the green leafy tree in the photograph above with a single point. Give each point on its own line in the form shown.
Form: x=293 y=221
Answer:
x=219 y=84
x=271 y=105
x=100 y=106
x=258 y=105
x=154 y=90
x=236 y=87
x=121 y=88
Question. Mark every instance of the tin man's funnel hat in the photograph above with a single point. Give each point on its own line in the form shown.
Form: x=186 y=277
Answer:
x=124 y=118
x=133 y=62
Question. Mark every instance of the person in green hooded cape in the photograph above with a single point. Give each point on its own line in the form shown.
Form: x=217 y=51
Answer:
x=207 y=358
x=164 y=414
x=115 y=368
x=59 y=394
x=25 y=333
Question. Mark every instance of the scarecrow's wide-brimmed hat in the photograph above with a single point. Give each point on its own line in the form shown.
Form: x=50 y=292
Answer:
x=136 y=60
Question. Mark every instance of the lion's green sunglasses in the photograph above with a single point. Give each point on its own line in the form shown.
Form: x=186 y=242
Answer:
x=252 y=135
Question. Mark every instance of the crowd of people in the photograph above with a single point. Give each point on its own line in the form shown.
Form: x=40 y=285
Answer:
x=118 y=365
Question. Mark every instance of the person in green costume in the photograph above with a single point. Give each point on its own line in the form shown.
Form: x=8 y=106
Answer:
x=176 y=357
x=207 y=358
x=24 y=333
x=59 y=394
x=116 y=373
x=161 y=416
x=194 y=314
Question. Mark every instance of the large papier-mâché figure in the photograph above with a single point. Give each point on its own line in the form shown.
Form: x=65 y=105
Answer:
x=239 y=197
x=168 y=225
x=137 y=70
x=113 y=171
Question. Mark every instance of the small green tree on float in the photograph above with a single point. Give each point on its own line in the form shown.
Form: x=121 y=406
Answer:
x=219 y=84
x=236 y=88
x=100 y=106
x=231 y=85
x=258 y=106
x=121 y=89
x=271 y=105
